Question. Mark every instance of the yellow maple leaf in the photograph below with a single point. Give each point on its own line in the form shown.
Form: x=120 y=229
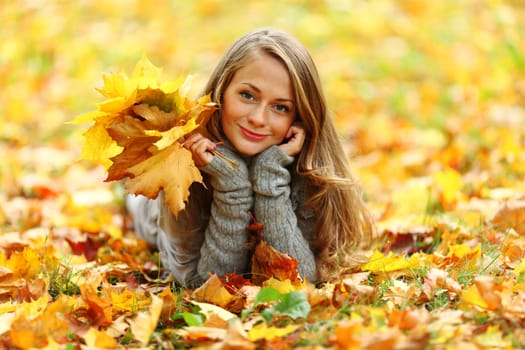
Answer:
x=472 y=296
x=126 y=301
x=32 y=308
x=146 y=74
x=378 y=262
x=99 y=146
x=462 y=252
x=263 y=331
x=285 y=286
x=493 y=339
x=24 y=264
x=449 y=184
x=32 y=331
x=172 y=169
x=520 y=267
x=99 y=339
x=122 y=91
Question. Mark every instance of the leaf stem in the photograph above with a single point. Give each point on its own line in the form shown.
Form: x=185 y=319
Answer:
x=231 y=163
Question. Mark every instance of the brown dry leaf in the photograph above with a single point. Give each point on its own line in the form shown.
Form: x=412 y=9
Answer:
x=5 y=273
x=352 y=290
x=511 y=214
x=513 y=253
x=236 y=338
x=401 y=293
x=385 y=340
x=212 y=312
x=155 y=118
x=143 y=325
x=267 y=262
x=130 y=135
x=243 y=298
x=171 y=169
x=439 y=279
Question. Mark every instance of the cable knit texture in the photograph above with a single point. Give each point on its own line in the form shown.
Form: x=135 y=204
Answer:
x=225 y=247
x=274 y=209
x=210 y=235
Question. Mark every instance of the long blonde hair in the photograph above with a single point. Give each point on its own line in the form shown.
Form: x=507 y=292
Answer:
x=345 y=221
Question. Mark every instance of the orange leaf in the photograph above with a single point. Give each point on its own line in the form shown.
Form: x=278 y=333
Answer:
x=99 y=339
x=213 y=292
x=347 y=334
x=233 y=282
x=408 y=319
x=99 y=309
x=511 y=214
x=22 y=338
x=268 y=262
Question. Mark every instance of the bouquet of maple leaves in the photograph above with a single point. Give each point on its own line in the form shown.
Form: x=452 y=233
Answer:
x=137 y=131
x=137 y=135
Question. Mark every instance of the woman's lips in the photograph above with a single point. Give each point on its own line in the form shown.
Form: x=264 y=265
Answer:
x=252 y=135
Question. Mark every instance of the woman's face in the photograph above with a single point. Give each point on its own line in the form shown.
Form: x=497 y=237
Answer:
x=258 y=106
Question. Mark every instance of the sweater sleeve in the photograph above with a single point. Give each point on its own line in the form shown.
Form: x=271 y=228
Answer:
x=224 y=249
x=273 y=208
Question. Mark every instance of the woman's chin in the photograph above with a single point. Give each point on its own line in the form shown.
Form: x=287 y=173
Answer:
x=249 y=149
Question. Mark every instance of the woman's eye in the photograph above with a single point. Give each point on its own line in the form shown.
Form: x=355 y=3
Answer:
x=282 y=108
x=247 y=95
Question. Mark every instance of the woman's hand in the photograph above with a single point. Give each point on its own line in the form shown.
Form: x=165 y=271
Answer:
x=201 y=149
x=294 y=140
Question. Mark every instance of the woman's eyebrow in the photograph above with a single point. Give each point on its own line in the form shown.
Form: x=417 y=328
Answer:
x=256 y=89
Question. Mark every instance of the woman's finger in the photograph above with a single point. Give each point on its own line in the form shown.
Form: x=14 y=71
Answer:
x=201 y=149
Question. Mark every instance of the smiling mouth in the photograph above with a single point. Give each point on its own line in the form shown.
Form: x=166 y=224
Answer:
x=252 y=135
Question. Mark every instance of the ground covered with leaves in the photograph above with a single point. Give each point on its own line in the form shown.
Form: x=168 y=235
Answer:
x=428 y=97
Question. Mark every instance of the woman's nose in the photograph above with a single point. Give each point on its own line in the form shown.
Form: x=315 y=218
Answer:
x=257 y=116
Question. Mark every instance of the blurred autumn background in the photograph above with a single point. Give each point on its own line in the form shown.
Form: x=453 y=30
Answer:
x=428 y=96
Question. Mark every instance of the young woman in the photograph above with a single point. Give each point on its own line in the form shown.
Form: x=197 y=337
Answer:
x=291 y=174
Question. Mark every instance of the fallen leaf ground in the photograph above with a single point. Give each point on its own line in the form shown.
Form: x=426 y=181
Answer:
x=429 y=97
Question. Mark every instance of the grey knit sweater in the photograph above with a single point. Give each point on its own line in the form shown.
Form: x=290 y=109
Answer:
x=211 y=235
